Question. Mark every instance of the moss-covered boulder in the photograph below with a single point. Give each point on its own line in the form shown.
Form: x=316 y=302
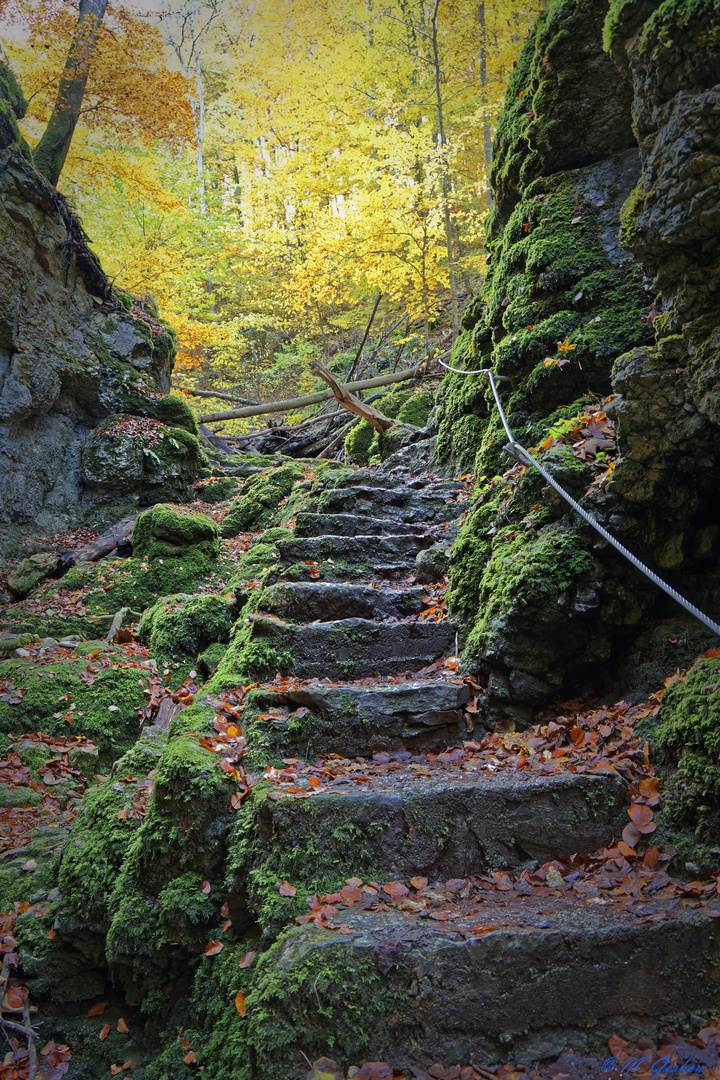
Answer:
x=183 y=626
x=259 y=500
x=98 y=695
x=127 y=455
x=165 y=533
x=31 y=571
x=412 y=407
x=685 y=741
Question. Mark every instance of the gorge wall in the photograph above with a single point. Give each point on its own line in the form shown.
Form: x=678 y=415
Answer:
x=78 y=360
x=600 y=305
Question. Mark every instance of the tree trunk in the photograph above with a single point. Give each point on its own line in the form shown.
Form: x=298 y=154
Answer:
x=446 y=179
x=487 y=135
x=50 y=153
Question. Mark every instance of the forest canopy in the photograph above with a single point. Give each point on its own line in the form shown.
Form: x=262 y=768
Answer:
x=264 y=171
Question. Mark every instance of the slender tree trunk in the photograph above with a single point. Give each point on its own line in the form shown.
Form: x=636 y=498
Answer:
x=487 y=136
x=446 y=179
x=50 y=153
x=200 y=123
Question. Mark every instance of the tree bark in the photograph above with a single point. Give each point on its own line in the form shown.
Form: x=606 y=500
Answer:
x=52 y=150
x=379 y=420
x=446 y=178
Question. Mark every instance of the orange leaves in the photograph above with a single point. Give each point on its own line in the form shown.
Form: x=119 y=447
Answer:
x=97 y=1010
x=190 y=1058
x=104 y=1032
x=122 y=1027
x=286 y=889
x=240 y=999
x=213 y=948
x=206 y=888
x=642 y=818
x=247 y=959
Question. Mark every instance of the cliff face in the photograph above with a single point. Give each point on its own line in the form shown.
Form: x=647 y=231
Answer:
x=603 y=280
x=77 y=360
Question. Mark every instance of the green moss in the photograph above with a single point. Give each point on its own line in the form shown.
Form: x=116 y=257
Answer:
x=182 y=625
x=176 y=413
x=260 y=499
x=99 y=840
x=219 y=488
x=686 y=741
x=162 y=532
x=13 y=107
x=405 y=406
x=102 y=706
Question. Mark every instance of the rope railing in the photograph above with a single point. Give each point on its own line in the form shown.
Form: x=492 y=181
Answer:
x=522 y=454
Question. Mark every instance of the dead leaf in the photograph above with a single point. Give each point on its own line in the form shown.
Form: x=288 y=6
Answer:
x=247 y=959
x=99 y=1009
x=286 y=889
x=240 y=998
x=104 y=1032
x=213 y=948
x=189 y=1058
x=122 y=1027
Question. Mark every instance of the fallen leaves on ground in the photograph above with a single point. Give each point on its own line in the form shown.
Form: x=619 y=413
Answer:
x=646 y=1059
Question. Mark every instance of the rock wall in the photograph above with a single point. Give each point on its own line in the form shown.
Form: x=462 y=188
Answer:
x=84 y=373
x=602 y=281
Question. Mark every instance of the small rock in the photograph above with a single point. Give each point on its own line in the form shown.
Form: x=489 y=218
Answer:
x=30 y=572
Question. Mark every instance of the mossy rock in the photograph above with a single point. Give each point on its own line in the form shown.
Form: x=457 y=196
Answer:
x=99 y=839
x=164 y=533
x=259 y=500
x=218 y=488
x=183 y=625
x=31 y=571
x=98 y=697
x=685 y=741
x=118 y=459
x=405 y=406
x=176 y=413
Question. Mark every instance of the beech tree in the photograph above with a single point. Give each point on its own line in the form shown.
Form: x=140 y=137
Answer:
x=50 y=153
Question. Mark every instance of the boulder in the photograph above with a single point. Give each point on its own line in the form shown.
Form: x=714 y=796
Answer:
x=31 y=572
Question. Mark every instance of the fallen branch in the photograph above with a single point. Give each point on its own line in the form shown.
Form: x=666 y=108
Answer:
x=379 y=420
x=116 y=623
x=311 y=399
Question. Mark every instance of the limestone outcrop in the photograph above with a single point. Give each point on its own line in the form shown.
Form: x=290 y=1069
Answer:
x=600 y=309
x=84 y=373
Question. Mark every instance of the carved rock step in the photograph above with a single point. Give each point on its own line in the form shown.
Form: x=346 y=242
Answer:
x=354 y=551
x=434 y=820
x=569 y=975
x=355 y=648
x=401 y=503
x=352 y=719
x=350 y=525
x=306 y=601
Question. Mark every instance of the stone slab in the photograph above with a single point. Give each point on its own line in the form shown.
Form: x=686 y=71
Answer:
x=309 y=601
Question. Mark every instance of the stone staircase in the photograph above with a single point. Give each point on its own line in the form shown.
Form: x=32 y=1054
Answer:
x=371 y=795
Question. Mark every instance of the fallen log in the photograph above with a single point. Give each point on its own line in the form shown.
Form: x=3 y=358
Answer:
x=117 y=536
x=312 y=399
x=221 y=397
x=216 y=441
x=379 y=420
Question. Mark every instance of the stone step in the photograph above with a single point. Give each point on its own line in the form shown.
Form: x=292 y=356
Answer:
x=354 y=553
x=442 y=820
x=326 y=601
x=402 y=503
x=355 y=648
x=532 y=984
x=354 y=719
x=350 y=525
